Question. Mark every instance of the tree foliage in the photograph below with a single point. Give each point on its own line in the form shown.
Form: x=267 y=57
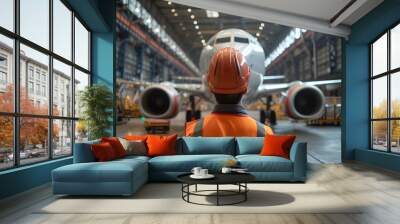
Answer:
x=96 y=103
x=33 y=131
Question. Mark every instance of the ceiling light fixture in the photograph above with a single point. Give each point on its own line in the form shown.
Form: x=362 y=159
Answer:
x=172 y=10
x=262 y=24
x=199 y=32
x=196 y=27
x=169 y=3
x=260 y=28
x=195 y=22
x=212 y=14
x=257 y=34
x=189 y=10
x=192 y=16
x=176 y=14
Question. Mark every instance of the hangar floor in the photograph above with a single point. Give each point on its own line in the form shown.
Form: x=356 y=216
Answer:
x=323 y=142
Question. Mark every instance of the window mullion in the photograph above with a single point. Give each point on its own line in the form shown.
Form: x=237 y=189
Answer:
x=389 y=106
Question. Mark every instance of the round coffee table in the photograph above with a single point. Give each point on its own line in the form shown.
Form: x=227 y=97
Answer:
x=238 y=179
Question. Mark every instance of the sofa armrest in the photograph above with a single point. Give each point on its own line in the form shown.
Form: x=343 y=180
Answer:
x=83 y=152
x=298 y=155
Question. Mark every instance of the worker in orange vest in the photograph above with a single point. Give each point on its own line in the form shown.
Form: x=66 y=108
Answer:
x=228 y=77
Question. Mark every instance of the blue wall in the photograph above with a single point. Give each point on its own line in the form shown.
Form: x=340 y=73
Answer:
x=99 y=15
x=355 y=129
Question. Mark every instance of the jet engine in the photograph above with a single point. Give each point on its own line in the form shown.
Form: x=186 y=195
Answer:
x=159 y=101
x=304 y=102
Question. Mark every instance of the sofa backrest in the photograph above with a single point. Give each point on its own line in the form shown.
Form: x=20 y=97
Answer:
x=206 y=145
x=83 y=152
x=249 y=145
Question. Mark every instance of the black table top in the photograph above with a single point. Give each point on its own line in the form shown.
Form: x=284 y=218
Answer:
x=220 y=178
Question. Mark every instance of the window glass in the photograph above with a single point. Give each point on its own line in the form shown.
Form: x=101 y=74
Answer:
x=62 y=89
x=62 y=29
x=81 y=82
x=62 y=138
x=395 y=47
x=39 y=62
x=6 y=142
x=81 y=131
x=81 y=45
x=33 y=139
x=7 y=14
x=379 y=56
x=395 y=94
x=6 y=74
x=395 y=136
x=34 y=21
x=379 y=98
x=379 y=135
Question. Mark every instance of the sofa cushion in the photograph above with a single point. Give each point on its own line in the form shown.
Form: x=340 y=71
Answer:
x=277 y=145
x=249 y=145
x=257 y=163
x=112 y=171
x=206 y=145
x=103 y=152
x=161 y=145
x=116 y=145
x=185 y=163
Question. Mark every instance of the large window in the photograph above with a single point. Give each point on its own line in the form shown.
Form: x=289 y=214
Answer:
x=44 y=64
x=385 y=91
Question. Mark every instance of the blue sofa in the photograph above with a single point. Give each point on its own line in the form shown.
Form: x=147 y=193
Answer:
x=125 y=176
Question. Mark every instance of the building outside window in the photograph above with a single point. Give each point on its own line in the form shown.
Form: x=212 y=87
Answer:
x=385 y=93
x=56 y=129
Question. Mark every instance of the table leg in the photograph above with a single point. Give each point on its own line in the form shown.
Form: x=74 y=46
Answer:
x=196 y=187
x=245 y=193
x=217 y=194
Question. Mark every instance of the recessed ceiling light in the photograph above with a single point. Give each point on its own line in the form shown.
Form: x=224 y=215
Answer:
x=189 y=10
x=172 y=10
x=262 y=24
x=192 y=16
x=199 y=32
x=196 y=27
x=203 y=41
x=169 y=3
x=212 y=14
x=176 y=14
x=195 y=22
x=261 y=27
x=257 y=34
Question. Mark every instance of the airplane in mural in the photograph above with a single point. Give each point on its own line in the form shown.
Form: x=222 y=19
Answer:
x=301 y=100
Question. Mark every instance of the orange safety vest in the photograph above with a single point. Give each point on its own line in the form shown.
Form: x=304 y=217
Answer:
x=221 y=123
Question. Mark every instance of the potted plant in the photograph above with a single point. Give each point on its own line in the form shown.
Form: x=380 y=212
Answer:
x=96 y=104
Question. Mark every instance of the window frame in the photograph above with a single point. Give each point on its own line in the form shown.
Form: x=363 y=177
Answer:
x=16 y=114
x=388 y=74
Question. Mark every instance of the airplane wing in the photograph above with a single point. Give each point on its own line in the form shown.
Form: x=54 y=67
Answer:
x=266 y=89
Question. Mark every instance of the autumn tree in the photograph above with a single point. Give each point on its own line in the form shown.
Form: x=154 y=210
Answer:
x=33 y=131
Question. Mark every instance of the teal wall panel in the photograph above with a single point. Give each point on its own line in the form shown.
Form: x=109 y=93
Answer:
x=355 y=129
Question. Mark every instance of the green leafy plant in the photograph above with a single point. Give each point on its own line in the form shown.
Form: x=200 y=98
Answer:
x=96 y=103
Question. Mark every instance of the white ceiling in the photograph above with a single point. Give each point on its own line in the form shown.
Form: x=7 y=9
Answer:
x=316 y=15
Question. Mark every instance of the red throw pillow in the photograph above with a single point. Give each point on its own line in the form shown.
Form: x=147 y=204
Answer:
x=116 y=145
x=103 y=152
x=161 y=145
x=135 y=137
x=277 y=145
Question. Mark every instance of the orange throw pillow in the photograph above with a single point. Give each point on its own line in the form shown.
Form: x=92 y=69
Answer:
x=135 y=137
x=161 y=145
x=116 y=145
x=277 y=145
x=103 y=152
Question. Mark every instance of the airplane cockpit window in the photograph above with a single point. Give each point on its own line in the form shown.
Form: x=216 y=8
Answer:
x=223 y=40
x=242 y=40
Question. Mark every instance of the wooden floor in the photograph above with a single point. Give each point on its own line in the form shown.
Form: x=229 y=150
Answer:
x=378 y=189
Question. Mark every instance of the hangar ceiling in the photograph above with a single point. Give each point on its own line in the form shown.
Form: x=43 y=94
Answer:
x=180 y=21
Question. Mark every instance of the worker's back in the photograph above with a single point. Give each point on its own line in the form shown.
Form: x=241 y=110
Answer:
x=221 y=124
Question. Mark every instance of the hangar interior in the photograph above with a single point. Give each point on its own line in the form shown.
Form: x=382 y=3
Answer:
x=290 y=55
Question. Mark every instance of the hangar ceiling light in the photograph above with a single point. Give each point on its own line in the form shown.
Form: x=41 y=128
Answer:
x=189 y=10
x=192 y=16
x=196 y=27
x=212 y=14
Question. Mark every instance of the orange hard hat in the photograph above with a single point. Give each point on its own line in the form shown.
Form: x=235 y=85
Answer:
x=228 y=72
